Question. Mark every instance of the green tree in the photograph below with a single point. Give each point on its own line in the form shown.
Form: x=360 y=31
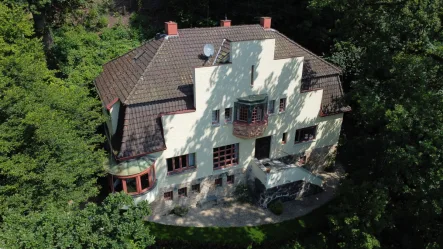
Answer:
x=392 y=53
x=116 y=223
x=49 y=150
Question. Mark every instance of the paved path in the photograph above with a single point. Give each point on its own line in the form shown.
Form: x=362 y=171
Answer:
x=234 y=214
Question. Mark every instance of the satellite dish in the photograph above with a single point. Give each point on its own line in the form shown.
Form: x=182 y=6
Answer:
x=208 y=50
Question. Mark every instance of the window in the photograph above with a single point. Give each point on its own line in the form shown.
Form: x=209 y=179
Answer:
x=252 y=75
x=230 y=179
x=144 y=179
x=242 y=114
x=168 y=195
x=256 y=114
x=182 y=192
x=135 y=184
x=218 y=182
x=283 y=139
x=196 y=188
x=228 y=115
x=302 y=159
x=305 y=134
x=131 y=185
x=271 y=107
x=180 y=163
x=215 y=117
x=282 y=106
x=118 y=185
x=251 y=109
x=225 y=156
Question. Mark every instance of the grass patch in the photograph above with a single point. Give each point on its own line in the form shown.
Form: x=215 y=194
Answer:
x=241 y=237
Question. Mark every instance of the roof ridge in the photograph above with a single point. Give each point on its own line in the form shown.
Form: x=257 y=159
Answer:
x=141 y=45
x=214 y=27
x=143 y=74
x=309 y=52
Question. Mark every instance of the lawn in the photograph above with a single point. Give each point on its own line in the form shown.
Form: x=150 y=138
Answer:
x=241 y=237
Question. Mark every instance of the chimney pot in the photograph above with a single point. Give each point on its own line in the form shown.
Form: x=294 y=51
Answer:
x=225 y=23
x=171 y=28
x=265 y=22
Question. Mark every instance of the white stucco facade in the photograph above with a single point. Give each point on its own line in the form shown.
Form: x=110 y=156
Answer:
x=217 y=88
x=112 y=121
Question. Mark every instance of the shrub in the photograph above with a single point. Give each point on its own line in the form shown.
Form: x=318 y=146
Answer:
x=242 y=193
x=276 y=207
x=179 y=211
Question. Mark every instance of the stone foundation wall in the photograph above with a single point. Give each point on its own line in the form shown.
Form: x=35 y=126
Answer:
x=285 y=192
x=208 y=191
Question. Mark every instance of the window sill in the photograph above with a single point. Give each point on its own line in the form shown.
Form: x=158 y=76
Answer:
x=225 y=167
x=303 y=142
x=228 y=122
x=282 y=142
x=173 y=173
x=282 y=112
x=271 y=114
x=215 y=125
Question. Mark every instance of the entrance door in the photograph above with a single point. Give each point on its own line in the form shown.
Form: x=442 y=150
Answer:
x=262 y=147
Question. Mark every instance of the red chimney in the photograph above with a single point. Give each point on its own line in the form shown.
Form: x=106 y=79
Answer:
x=265 y=22
x=171 y=28
x=225 y=23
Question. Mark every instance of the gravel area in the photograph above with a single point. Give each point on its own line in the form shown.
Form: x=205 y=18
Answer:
x=233 y=214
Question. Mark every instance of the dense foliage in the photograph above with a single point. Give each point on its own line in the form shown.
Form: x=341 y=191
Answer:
x=50 y=151
x=95 y=226
x=48 y=144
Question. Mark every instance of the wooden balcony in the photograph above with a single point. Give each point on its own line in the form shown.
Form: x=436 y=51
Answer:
x=251 y=130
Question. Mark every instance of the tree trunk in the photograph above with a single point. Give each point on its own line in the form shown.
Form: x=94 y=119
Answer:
x=41 y=30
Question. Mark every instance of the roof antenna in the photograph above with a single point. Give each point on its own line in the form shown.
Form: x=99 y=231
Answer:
x=226 y=17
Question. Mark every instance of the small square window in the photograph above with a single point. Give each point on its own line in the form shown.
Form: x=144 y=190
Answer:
x=218 y=182
x=196 y=188
x=230 y=179
x=182 y=192
x=283 y=139
x=168 y=195
x=282 y=106
x=215 y=117
x=302 y=159
x=228 y=115
x=271 y=107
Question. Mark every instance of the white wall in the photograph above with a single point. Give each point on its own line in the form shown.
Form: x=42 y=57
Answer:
x=113 y=113
x=292 y=175
x=218 y=87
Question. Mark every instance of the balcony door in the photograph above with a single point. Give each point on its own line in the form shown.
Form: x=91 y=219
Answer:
x=262 y=147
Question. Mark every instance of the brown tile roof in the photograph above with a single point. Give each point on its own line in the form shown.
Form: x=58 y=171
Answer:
x=332 y=99
x=157 y=77
x=142 y=128
x=173 y=60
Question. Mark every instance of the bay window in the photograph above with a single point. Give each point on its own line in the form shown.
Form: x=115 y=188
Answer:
x=251 y=109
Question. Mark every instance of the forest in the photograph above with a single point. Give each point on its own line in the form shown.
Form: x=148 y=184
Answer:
x=51 y=121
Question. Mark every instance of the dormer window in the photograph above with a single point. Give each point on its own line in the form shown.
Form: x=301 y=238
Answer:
x=251 y=109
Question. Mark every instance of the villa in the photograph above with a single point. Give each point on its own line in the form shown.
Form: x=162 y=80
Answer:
x=186 y=125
